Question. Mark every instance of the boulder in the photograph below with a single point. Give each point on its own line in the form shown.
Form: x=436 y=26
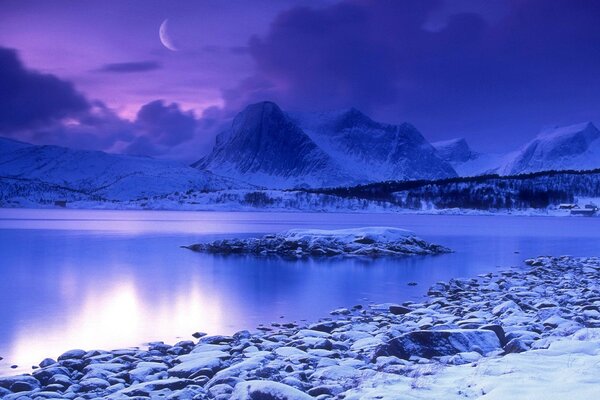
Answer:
x=72 y=354
x=267 y=390
x=8 y=381
x=399 y=310
x=439 y=343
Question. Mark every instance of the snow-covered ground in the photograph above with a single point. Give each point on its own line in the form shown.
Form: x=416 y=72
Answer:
x=241 y=200
x=568 y=368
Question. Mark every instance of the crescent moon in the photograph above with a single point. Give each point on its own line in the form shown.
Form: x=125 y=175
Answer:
x=165 y=39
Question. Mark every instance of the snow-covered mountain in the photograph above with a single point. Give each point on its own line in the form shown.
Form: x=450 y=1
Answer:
x=464 y=160
x=263 y=146
x=268 y=147
x=111 y=176
x=574 y=147
x=373 y=151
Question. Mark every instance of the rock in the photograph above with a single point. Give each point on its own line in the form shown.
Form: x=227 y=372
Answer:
x=297 y=243
x=399 y=310
x=44 y=375
x=8 y=381
x=506 y=306
x=194 y=362
x=46 y=362
x=498 y=330
x=72 y=354
x=325 y=326
x=151 y=386
x=92 y=384
x=267 y=390
x=429 y=344
x=515 y=346
x=22 y=386
x=330 y=390
x=144 y=370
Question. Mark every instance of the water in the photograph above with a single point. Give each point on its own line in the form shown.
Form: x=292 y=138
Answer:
x=109 y=279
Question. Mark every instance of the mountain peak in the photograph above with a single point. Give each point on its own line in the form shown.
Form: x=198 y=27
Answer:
x=264 y=146
x=454 y=150
x=567 y=147
x=352 y=118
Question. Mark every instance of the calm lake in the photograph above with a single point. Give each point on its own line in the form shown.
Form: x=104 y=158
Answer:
x=108 y=279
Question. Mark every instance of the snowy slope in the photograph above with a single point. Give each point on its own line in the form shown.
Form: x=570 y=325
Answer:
x=264 y=147
x=575 y=147
x=96 y=173
x=10 y=145
x=464 y=160
x=374 y=151
x=267 y=147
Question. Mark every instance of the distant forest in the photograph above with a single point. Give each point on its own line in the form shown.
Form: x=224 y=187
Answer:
x=485 y=192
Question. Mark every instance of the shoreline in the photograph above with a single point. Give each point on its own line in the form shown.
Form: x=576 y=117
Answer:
x=345 y=355
x=248 y=209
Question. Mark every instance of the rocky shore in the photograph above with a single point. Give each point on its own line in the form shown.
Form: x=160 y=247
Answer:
x=466 y=334
x=298 y=243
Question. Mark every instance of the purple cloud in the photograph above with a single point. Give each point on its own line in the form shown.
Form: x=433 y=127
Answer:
x=42 y=108
x=30 y=99
x=499 y=77
x=130 y=67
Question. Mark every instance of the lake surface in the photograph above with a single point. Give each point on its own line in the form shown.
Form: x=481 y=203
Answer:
x=110 y=279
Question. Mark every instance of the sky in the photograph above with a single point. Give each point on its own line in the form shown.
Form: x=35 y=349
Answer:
x=95 y=74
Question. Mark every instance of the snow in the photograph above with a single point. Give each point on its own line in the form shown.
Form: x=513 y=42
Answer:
x=369 y=241
x=575 y=147
x=95 y=173
x=378 y=234
x=568 y=368
x=268 y=390
x=465 y=161
x=267 y=147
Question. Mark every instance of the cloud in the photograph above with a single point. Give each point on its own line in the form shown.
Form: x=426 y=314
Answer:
x=468 y=72
x=162 y=127
x=30 y=99
x=130 y=67
x=44 y=109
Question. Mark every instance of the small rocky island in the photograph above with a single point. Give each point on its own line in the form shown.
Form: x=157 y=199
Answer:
x=369 y=241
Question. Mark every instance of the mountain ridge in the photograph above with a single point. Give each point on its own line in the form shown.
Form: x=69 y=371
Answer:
x=332 y=149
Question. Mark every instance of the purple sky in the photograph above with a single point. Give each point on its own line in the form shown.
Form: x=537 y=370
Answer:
x=94 y=74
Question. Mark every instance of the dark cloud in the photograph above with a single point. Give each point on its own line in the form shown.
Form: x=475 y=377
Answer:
x=31 y=99
x=130 y=67
x=467 y=74
x=167 y=124
x=166 y=129
x=44 y=109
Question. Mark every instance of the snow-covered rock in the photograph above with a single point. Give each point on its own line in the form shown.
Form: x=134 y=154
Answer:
x=369 y=241
x=439 y=343
x=574 y=147
x=268 y=390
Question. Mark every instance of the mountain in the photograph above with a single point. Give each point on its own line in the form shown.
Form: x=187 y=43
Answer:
x=10 y=145
x=110 y=176
x=574 y=147
x=465 y=161
x=264 y=147
x=268 y=147
x=374 y=151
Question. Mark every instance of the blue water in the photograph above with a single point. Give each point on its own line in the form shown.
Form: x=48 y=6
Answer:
x=108 y=279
